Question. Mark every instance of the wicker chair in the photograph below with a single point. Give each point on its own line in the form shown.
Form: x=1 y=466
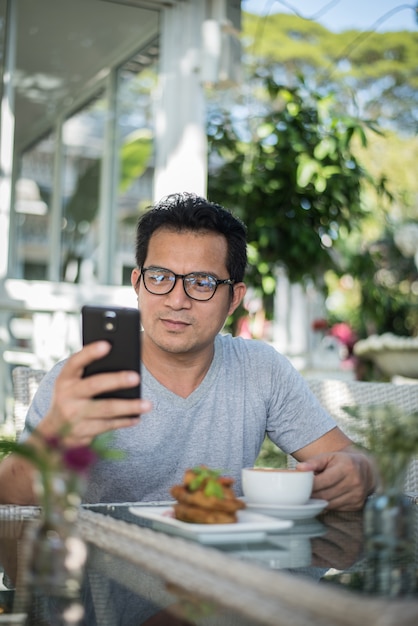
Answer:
x=25 y=383
x=335 y=394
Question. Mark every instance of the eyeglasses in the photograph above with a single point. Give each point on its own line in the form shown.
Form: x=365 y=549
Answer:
x=197 y=285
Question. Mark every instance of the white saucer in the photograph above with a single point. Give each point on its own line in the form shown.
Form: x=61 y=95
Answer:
x=292 y=511
x=250 y=526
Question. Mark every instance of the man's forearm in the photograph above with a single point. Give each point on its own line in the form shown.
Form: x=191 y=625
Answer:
x=16 y=481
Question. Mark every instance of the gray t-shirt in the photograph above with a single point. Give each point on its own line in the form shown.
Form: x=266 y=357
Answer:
x=249 y=390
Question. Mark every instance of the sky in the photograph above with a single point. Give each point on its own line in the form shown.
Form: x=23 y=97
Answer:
x=338 y=15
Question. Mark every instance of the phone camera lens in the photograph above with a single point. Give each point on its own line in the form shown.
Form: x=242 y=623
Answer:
x=109 y=321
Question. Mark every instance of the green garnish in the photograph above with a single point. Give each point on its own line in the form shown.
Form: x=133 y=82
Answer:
x=208 y=477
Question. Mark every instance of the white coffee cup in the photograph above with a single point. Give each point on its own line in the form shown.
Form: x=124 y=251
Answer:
x=262 y=485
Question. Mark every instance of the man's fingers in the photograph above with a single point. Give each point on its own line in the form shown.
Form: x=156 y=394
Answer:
x=90 y=428
x=110 y=408
x=76 y=363
x=98 y=383
x=111 y=381
x=75 y=400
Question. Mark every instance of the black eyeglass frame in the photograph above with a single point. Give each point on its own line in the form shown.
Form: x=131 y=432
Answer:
x=217 y=282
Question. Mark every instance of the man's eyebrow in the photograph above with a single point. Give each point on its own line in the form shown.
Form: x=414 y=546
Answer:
x=206 y=272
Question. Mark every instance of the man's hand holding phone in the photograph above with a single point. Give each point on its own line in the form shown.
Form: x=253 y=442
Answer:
x=98 y=388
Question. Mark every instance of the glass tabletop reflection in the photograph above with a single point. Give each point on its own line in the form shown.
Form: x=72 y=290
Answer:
x=328 y=549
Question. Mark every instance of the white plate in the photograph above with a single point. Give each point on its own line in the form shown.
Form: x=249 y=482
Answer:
x=250 y=526
x=290 y=512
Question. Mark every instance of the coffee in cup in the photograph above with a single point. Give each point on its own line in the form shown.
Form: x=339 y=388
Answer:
x=263 y=485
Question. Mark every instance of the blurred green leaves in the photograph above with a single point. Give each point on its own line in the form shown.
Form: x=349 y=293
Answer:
x=390 y=434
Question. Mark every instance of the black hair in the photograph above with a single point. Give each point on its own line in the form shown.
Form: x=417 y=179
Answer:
x=181 y=212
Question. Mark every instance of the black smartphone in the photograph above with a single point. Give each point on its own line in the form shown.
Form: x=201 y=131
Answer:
x=120 y=326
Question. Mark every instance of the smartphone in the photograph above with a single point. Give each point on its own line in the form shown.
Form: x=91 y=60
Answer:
x=120 y=326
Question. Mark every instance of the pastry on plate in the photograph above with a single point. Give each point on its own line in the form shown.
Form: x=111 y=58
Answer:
x=206 y=497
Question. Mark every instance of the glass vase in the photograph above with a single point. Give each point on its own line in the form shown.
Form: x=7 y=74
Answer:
x=389 y=537
x=56 y=552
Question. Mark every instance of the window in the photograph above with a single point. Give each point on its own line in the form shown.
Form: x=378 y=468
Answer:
x=135 y=146
x=33 y=210
x=83 y=147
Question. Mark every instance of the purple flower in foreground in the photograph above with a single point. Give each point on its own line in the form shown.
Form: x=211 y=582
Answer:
x=80 y=458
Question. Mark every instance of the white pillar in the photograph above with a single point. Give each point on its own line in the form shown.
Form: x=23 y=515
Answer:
x=7 y=127
x=298 y=321
x=291 y=326
x=181 y=145
x=281 y=338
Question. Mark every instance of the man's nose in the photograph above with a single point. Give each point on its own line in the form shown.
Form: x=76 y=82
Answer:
x=177 y=296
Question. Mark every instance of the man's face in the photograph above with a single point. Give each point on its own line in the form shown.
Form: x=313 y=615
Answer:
x=174 y=322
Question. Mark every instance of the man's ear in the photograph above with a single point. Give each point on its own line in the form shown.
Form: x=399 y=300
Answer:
x=135 y=277
x=239 y=291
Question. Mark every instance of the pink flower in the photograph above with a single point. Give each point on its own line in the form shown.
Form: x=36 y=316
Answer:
x=344 y=334
x=79 y=458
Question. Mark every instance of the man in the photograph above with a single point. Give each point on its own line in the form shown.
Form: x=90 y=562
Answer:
x=208 y=398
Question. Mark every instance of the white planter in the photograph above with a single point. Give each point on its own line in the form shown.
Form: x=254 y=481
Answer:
x=394 y=355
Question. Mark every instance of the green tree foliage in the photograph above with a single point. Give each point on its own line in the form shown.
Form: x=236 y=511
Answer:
x=305 y=165
x=378 y=70
x=293 y=177
x=385 y=280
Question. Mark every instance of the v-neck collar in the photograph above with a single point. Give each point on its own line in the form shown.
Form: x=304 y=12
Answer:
x=160 y=394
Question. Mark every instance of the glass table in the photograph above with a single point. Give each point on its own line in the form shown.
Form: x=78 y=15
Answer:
x=314 y=572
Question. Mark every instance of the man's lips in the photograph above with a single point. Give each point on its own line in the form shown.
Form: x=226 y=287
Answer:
x=172 y=324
